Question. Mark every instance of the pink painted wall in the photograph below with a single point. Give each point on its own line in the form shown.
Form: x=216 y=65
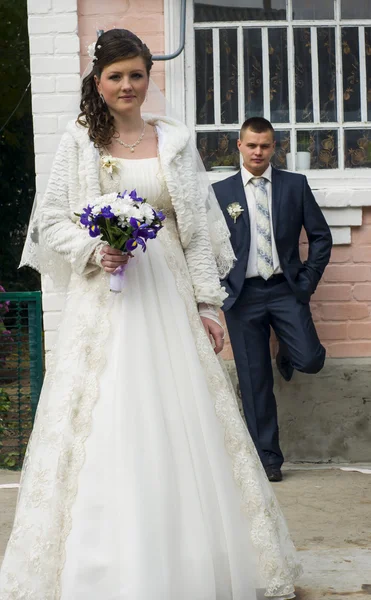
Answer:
x=143 y=17
x=342 y=304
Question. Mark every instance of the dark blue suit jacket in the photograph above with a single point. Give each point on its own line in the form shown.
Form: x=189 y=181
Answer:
x=293 y=207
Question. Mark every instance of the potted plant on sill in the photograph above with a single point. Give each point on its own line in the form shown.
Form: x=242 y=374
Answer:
x=222 y=159
x=228 y=162
x=303 y=155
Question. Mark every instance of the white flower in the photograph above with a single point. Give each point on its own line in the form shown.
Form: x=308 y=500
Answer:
x=91 y=51
x=121 y=203
x=109 y=163
x=125 y=215
x=96 y=209
x=127 y=198
x=132 y=211
x=235 y=210
x=125 y=211
x=108 y=199
x=146 y=212
x=102 y=201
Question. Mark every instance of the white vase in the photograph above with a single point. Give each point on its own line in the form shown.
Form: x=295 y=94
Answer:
x=302 y=161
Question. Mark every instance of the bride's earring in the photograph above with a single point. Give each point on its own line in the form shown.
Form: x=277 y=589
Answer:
x=102 y=98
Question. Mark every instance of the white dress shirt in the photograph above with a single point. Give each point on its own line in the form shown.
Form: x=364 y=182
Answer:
x=252 y=269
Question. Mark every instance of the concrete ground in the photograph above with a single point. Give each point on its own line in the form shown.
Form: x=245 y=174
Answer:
x=329 y=515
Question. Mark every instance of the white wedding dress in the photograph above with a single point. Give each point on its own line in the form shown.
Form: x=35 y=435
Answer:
x=141 y=481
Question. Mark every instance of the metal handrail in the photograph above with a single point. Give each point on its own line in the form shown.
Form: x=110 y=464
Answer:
x=34 y=312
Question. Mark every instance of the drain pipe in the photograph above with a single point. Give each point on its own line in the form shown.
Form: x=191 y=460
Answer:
x=182 y=30
x=181 y=37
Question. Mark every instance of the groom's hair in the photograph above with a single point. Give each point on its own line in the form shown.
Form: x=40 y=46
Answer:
x=257 y=125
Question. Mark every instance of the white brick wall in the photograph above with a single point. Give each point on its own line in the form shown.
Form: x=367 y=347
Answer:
x=55 y=81
x=52 y=23
x=68 y=83
x=66 y=44
x=39 y=6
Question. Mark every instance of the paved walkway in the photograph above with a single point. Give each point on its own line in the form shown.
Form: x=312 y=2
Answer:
x=329 y=515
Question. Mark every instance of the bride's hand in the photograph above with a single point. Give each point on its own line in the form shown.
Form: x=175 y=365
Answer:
x=215 y=332
x=113 y=258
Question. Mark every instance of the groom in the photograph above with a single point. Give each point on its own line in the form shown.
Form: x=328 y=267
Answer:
x=269 y=286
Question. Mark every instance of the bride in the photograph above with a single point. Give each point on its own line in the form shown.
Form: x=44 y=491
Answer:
x=140 y=481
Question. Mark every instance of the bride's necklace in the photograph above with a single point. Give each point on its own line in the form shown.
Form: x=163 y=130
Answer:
x=132 y=146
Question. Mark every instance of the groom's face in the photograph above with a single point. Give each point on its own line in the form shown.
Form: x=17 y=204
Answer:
x=257 y=150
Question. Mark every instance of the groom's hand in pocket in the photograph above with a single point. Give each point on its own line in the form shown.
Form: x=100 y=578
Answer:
x=215 y=333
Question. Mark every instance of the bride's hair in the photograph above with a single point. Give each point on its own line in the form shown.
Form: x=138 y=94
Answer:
x=111 y=46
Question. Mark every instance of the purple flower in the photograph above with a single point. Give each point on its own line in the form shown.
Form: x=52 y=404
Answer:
x=134 y=196
x=94 y=230
x=124 y=193
x=125 y=234
x=160 y=215
x=107 y=213
x=133 y=243
x=146 y=232
x=135 y=223
x=142 y=230
x=151 y=233
x=4 y=306
x=86 y=216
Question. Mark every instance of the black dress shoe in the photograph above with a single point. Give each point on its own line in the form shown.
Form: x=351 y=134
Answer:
x=273 y=472
x=284 y=365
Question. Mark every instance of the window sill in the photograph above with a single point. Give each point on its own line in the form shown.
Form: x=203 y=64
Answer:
x=354 y=178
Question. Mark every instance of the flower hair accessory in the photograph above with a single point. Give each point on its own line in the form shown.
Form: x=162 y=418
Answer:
x=91 y=51
x=235 y=210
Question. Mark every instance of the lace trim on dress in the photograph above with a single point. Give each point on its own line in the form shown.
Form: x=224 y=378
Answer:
x=35 y=554
x=276 y=554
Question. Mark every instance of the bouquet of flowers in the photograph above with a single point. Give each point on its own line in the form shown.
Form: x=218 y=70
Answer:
x=125 y=221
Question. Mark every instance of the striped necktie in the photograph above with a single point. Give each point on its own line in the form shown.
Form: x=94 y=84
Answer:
x=263 y=227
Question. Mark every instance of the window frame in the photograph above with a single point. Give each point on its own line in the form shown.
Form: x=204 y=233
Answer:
x=355 y=178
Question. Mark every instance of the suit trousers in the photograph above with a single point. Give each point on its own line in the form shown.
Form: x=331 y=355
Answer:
x=260 y=306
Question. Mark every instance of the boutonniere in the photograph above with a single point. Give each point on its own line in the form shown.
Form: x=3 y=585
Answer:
x=109 y=164
x=235 y=210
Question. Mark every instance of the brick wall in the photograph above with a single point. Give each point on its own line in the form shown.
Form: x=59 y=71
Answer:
x=342 y=303
x=55 y=80
x=143 y=17
x=59 y=30
x=341 y=306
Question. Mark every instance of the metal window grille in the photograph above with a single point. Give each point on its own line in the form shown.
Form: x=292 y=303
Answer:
x=21 y=372
x=312 y=61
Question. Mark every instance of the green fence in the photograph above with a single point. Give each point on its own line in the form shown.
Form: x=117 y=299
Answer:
x=21 y=372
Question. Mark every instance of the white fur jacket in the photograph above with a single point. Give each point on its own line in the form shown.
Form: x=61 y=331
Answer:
x=56 y=244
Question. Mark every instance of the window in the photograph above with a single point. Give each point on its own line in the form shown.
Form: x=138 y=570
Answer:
x=303 y=64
